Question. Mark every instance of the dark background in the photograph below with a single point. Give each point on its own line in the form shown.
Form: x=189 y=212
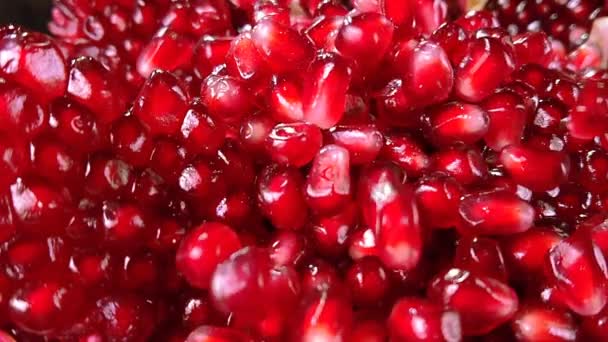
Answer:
x=33 y=14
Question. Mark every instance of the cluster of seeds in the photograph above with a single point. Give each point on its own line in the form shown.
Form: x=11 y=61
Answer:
x=306 y=170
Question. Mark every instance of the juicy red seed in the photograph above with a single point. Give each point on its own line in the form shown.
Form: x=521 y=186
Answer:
x=365 y=38
x=123 y=225
x=458 y=123
x=330 y=232
x=525 y=253
x=162 y=104
x=486 y=64
x=438 y=197
x=287 y=248
x=507 y=119
x=465 y=165
x=217 y=334
x=40 y=208
x=283 y=48
x=532 y=48
x=244 y=61
x=426 y=71
x=368 y=281
x=202 y=249
x=390 y=209
x=201 y=133
x=476 y=20
x=226 y=98
x=280 y=197
x=91 y=85
x=326 y=317
x=130 y=141
x=328 y=184
x=524 y=164
x=168 y=51
x=362 y=142
x=414 y=319
x=483 y=303
x=322 y=32
x=536 y=323
x=293 y=144
x=34 y=61
x=46 y=307
x=324 y=91
x=254 y=132
x=481 y=256
x=495 y=213
x=577 y=268
x=406 y=152
x=22 y=114
x=399 y=12
x=257 y=292
x=209 y=53
x=285 y=100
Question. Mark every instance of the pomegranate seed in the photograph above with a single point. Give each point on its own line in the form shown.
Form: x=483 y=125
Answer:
x=45 y=307
x=363 y=142
x=458 y=122
x=429 y=14
x=324 y=91
x=577 y=268
x=524 y=163
x=399 y=12
x=40 y=208
x=414 y=319
x=389 y=208
x=406 y=152
x=532 y=48
x=168 y=51
x=206 y=333
x=525 y=252
x=162 y=104
x=280 y=197
x=244 y=61
x=534 y=323
x=465 y=165
x=209 y=53
x=202 y=134
x=365 y=38
x=226 y=98
x=481 y=256
x=507 y=119
x=33 y=60
x=325 y=318
x=246 y=280
x=328 y=183
x=285 y=100
x=293 y=144
x=438 y=197
x=287 y=248
x=91 y=85
x=485 y=65
x=367 y=280
x=22 y=114
x=202 y=249
x=426 y=70
x=282 y=48
x=483 y=303
x=496 y=213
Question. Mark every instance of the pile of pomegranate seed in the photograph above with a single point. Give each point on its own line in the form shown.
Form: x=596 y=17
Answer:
x=305 y=170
